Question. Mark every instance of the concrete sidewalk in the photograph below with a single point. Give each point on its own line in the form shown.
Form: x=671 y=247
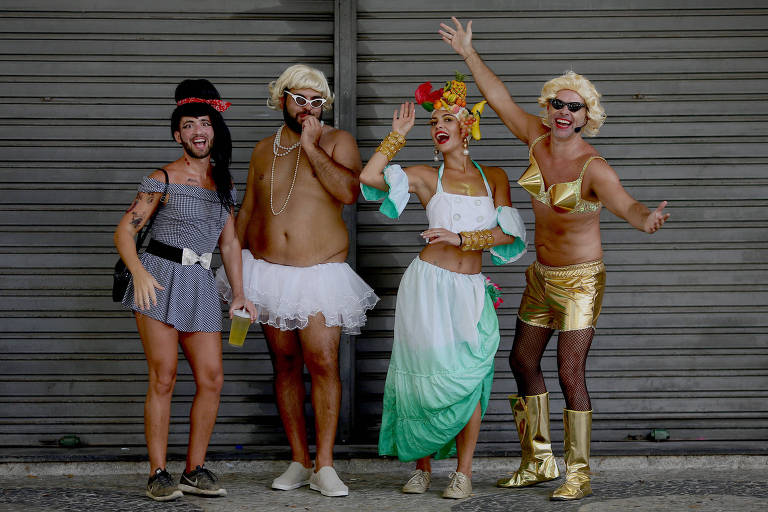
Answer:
x=621 y=484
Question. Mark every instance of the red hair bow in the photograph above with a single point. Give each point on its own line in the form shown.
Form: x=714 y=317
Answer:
x=219 y=105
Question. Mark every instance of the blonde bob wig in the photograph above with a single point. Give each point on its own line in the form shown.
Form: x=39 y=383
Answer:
x=299 y=76
x=584 y=88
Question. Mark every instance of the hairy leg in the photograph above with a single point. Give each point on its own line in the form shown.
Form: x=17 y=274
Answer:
x=203 y=352
x=320 y=345
x=525 y=357
x=466 y=440
x=288 y=364
x=161 y=349
x=572 y=350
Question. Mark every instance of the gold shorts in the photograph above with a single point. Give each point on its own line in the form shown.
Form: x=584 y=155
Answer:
x=566 y=298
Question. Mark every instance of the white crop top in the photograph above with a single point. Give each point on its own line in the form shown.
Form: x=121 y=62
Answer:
x=456 y=212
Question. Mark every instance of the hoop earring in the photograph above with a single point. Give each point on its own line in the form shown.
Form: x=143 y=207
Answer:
x=466 y=148
x=435 y=157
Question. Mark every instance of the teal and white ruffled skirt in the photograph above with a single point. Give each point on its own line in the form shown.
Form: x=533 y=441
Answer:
x=445 y=339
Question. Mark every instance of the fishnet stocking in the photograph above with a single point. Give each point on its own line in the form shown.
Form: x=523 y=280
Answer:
x=525 y=358
x=572 y=349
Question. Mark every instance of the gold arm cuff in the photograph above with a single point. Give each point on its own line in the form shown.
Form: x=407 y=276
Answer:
x=476 y=240
x=391 y=144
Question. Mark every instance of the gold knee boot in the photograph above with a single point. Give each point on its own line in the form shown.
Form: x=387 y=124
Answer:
x=532 y=421
x=578 y=433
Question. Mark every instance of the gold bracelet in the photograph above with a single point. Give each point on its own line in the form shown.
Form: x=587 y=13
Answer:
x=476 y=240
x=391 y=144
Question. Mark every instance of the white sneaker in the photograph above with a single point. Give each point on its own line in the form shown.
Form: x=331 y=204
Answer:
x=459 y=487
x=328 y=482
x=418 y=482
x=294 y=477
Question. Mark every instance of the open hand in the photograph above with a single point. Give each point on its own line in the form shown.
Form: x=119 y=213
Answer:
x=403 y=121
x=656 y=219
x=144 y=285
x=458 y=38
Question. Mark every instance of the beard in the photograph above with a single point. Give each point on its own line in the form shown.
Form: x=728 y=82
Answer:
x=193 y=152
x=293 y=124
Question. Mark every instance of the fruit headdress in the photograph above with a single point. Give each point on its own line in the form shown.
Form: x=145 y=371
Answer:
x=453 y=98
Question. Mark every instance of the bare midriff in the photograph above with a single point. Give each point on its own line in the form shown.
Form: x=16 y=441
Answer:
x=566 y=239
x=452 y=258
x=308 y=232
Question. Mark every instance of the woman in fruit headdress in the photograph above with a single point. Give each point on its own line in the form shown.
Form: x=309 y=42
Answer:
x=446 y=330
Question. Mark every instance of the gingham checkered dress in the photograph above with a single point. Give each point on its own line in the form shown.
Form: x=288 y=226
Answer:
x=194 y=218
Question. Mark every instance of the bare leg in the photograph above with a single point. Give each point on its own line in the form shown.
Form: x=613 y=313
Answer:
x=203 y=352
x=572 y=350
x=320 y=346
x=161 y=348
x=424 y=464
x=466 y=440
x=288 y=364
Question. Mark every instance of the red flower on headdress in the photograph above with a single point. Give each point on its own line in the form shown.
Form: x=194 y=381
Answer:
x=426 y=97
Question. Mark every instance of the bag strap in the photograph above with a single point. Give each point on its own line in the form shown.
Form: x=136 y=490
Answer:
x=145 y=231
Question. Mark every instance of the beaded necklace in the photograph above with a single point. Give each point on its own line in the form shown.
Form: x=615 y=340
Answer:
x=279 y=150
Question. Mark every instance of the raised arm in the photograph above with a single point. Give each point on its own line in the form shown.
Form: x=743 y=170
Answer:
x=605 y=184
x=373 y=172
x=523 y=125
x=338 y=173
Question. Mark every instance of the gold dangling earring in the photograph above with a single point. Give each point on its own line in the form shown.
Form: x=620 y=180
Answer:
x=466 y=148
x=435 y=157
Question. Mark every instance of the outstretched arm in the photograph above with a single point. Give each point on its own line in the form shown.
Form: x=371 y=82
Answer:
x=338 y=173
x=523 y=125
x=605 y=183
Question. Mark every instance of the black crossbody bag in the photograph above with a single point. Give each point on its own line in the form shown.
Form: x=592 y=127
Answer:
x=122 y=276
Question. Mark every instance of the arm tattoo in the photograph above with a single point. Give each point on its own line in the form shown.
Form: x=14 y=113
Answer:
x=136 y=220
x=133 y=205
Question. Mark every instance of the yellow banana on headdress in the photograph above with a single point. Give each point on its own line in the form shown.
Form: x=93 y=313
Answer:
x=453 y=98
x=477 y=113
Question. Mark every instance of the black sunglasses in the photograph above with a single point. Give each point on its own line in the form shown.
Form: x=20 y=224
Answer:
x=573 y=106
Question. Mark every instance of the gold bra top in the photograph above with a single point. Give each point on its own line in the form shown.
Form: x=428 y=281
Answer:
x=564 y=196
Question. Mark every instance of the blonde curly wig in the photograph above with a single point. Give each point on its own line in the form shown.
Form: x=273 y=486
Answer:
x=574 y=82
x=299 y=76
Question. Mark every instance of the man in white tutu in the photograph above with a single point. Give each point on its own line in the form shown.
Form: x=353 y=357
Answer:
x=295 y=246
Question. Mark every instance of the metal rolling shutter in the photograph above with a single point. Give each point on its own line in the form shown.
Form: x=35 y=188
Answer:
x=681 y=343
x=87 y=91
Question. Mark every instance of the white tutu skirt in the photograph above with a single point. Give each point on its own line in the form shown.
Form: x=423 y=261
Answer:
x=288 y=296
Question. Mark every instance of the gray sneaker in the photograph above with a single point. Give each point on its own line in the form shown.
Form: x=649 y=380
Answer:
x=160 y=486
x=418 y=482
x=459 y=487
x=201 y=481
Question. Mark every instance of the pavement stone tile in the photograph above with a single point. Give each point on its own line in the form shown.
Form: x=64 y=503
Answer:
x=654 y=489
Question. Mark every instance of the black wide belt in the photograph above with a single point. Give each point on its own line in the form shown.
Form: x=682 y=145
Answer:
x=183 y=256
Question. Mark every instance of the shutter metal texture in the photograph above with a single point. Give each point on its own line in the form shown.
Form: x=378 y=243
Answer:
x=681 y=342
x=87 y=91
